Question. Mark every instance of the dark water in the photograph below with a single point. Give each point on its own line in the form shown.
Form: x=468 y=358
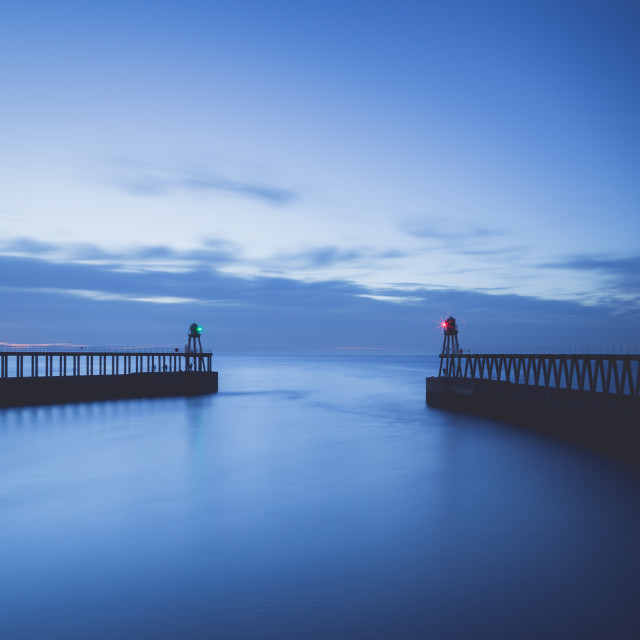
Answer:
x=311 y=498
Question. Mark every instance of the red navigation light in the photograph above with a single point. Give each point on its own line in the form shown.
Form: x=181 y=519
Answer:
x=449 y=326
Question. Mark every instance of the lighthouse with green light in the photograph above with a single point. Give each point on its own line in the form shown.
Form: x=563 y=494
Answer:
x=194 y=345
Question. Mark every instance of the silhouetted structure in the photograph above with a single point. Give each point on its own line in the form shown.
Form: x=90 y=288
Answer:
x=49 y=376
x=450 y=343
x=589 y=398
x=194 y=346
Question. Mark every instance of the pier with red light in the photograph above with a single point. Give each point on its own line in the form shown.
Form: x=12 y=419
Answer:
x=593 y=399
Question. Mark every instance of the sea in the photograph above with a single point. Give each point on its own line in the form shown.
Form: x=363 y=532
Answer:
x=313 y=497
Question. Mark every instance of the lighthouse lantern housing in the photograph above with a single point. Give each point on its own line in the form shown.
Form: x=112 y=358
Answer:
x=450 y=344
x=450 y=327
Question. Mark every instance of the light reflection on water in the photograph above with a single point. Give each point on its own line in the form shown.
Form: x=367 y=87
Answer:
x=312 y=497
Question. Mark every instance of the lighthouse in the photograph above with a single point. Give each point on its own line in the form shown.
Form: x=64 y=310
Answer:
x=194 y=345
x=450 y=344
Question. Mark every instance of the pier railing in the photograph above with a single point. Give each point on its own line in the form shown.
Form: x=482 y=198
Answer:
x=25 y=362
x=617 y=374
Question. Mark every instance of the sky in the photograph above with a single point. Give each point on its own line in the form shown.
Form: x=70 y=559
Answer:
x=320 y=176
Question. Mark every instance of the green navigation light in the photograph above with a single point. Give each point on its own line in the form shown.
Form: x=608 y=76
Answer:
x=195 y=330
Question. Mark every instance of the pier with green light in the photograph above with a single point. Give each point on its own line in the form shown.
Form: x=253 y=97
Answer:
x=50 y=375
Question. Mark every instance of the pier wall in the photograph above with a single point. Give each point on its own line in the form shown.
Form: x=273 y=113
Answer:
x=607 y=422
x=30 y=391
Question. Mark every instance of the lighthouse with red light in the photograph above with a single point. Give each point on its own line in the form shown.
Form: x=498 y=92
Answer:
x=450 y=330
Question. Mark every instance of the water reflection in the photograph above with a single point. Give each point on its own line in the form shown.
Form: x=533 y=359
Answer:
x=311 y=497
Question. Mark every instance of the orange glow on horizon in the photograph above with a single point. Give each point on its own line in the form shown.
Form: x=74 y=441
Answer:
x=41 y=344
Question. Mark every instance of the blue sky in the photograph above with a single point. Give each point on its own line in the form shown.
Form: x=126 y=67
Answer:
x=320 y=176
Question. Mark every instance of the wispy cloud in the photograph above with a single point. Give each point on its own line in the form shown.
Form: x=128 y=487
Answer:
x=106 y=297
x=402 y=299
x=619 y=277
x=327 y=256
x=447 y=229
x=146 y=180
x=330 y=255
x=621 y=272
x=211 y=252
x=78 y=302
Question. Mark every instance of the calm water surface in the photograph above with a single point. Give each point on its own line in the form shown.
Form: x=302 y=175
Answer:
x=313 y=497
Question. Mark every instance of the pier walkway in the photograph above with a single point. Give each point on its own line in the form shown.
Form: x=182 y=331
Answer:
x=18 y=362
x=617 y=374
